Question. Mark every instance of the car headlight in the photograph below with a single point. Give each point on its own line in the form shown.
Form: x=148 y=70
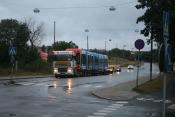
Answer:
x=70 y=70
x=55 y=70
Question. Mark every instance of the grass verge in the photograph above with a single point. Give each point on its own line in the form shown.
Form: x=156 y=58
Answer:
x=151 y=86
x=7 y=72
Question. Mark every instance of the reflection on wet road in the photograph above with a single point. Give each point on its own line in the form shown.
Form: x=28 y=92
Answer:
x=50 y=97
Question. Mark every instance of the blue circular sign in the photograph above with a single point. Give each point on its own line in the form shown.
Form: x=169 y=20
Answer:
x=139 y=44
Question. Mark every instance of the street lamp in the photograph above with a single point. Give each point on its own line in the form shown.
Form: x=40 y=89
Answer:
x=106 y=43
x=86 y=30
x=112 y=8
x=37 y=10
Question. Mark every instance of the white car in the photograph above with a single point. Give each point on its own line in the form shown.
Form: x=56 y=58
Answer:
x=130 y=67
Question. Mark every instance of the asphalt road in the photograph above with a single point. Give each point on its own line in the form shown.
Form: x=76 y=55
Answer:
x=71 y=97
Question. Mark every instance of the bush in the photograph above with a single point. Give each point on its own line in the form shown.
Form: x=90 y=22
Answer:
x=38 y=66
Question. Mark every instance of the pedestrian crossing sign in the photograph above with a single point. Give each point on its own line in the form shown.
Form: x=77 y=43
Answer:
x=12 y=50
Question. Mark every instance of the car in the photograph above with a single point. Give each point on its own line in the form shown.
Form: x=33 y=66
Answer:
x=118 y=69
x=130 y=67
x=110 y=70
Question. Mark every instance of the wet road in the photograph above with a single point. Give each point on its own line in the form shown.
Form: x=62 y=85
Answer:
x=71 y=97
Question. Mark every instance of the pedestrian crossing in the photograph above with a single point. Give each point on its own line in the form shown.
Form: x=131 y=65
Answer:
x=109 y=109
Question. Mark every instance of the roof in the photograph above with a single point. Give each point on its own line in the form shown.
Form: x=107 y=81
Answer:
x=76 y=50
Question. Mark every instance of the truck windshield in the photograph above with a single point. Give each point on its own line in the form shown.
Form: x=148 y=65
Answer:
x=63 y=57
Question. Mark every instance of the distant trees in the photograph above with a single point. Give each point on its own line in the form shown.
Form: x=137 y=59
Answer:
x=13 y=33
x=120 y=53
x=62 y=45
x=19 y=34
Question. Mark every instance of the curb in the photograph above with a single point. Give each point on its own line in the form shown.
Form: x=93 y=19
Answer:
x=25 y=77
x=102 y=97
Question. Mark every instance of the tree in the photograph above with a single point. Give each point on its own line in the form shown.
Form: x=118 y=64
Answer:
x=12 y=33
x=36 y=32
x=62 y=45
x=153 y=17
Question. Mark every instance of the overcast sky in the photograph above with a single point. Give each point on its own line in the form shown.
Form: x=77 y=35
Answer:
x=74 y=16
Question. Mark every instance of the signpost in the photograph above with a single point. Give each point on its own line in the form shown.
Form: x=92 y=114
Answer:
x=12 y=52
x=139 y=44
x=168 y=66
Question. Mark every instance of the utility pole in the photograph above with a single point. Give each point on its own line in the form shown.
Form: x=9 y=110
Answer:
x=86 y=30
x=151 y=52
x=87 y=43
x=54 y=36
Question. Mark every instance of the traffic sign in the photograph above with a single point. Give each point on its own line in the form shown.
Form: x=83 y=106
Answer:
x=139 y=44
x=12 y=50
x=168 y=64
x=166 y=18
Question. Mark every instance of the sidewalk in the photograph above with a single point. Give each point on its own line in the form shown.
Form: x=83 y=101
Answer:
x=121 y=91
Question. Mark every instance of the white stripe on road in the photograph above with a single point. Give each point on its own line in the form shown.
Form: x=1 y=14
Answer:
x=98 y=86
x=122 y=102
x=105 y=111
x=94 y=116
x=112 y=109
x=40 y=84
x=109 y=109
x=103 y=114
x=26 y=83
x=87 y=85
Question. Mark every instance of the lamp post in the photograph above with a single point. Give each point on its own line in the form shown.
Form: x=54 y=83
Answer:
x=37 y=10
x=106 y=44
x=86 y=30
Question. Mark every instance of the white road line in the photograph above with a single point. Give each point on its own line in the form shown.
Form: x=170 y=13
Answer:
x=117 y=104
x=40 y=84
x=122 y=102
x=98 y=86
x=26 y=83
x=94 y=116
x=105 y=111
x=86 y=85
x=103 y=114
x=112 y=109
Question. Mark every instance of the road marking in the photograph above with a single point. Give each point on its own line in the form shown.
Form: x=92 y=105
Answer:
x=25 y=83
x=98 y=86
x=122 y=102
x=105 y=111
x=116 y=105
x=40 y=84
x=94 y=116
x=87 y=85
x=103 y=114
x=109 y=109
x=112 y=109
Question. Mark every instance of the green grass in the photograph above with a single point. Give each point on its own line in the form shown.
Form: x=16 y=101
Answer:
x=7 y=72
x=151 y=86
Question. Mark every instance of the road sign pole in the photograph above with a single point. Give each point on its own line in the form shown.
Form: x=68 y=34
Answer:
x=139 y=44
x=137 y=80
x=164 y=94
